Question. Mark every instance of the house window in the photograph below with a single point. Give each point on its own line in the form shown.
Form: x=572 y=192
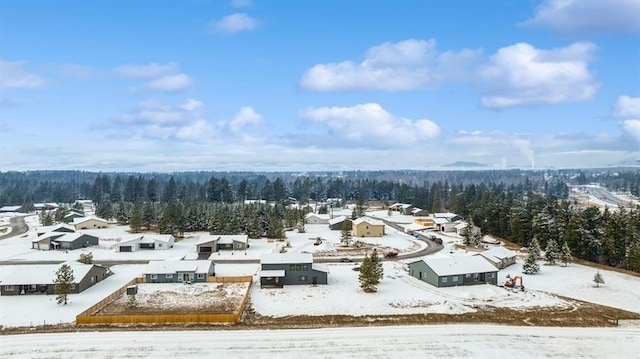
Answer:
x=305 y=267
x=468 y=275
x=93 y=279
x=492 y=275
x=455 y=278
x=168 y=275
x=292 y=267
x=298 y=267
x=153 y=276
x=444 y=279
x=160 y=245
x=9 y=288
x=200 y=275
x=302 y=278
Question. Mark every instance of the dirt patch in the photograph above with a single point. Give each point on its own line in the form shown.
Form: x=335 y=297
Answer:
x=171 y=298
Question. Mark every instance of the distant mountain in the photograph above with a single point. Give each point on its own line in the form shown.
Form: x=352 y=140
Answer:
x=465 y=164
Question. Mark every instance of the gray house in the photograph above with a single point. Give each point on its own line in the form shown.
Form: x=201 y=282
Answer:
x=175 y=271
x=279 y=269
x=449 y=272
x=337 y=223
x=38 y=278
x=500 y=257
x=59 y=228
x=213 y=242
x=64 y=241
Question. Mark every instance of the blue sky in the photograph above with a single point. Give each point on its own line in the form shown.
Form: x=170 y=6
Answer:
x=318 y=85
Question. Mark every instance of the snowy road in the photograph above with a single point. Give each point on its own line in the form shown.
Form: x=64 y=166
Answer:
x=437 y=341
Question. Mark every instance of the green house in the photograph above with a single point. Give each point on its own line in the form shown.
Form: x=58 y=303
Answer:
x=449 y=272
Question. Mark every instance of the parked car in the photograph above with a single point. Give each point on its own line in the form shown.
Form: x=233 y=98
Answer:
x=346 y=260
x=391 y=254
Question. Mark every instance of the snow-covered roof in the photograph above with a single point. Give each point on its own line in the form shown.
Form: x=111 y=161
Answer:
x=73 y=213
x=447 y=215
x=498 y=253
x=77 y=221
x=130 y=240
x=337 y=219
x=317 y=215
x=272 y=273
x=152 y=238
x=416 y=227
x=206 y=238
x=39 y=273
x=459 y=265
x=440 y=220
x=174 y=266
x=70 y=237
x=230 y=238
x=53 y=228
x=49 y=235
x=320 y=267
x=286 y=258
x=10 y=208
x=372 y=222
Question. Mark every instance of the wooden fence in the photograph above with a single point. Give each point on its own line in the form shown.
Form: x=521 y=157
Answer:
x=87 y=316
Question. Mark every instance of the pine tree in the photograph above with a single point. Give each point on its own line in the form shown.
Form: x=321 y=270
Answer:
x=597 y=279
x=632 y=257
x=376 y=266
x=367 y=275
x=534 y=248
x=551 y=252
x=565 y=254
x=530 y=266
x=345 y=233
x=135 y=222
x=63 y=282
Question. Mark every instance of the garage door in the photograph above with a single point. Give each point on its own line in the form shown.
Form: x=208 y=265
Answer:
x=125 y=248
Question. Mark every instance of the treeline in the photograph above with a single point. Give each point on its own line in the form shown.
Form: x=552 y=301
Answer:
x=427 y=189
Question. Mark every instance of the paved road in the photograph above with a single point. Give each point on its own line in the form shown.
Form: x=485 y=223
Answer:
x=18 y=227
x=604 y=195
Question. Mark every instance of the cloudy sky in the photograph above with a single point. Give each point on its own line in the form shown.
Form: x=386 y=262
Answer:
x=318 y=85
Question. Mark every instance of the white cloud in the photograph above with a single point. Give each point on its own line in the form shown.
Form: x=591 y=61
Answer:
x=632 y=127
x=399 y=66
x=14 y=75
x=170 y=83
x=581 y=17
x=370 y=125
x=157 y=120
x=152 y=70
x=233 y=23
x=521 y=75
x=627 y=107
x=246 y=115
x=241 y=3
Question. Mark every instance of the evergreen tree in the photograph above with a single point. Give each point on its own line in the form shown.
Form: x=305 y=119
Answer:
x=534 y=249
x=632 y=257
x=148 y=216
x=530 y=266
x=367 y=275
x=135 y=222
x=598 y=279
x=565 y=254
x=376 y=266
x=345 y=233
x=63 y=282
x=551 y=252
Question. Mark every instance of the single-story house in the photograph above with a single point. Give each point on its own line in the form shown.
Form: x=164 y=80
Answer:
x=444 y=225
x=314 y=218
x=179 y=271
x=60 y=228
x=337 y=223
x=400 y=207
x=211 y=243
x=64 y=241
x=38 y=278
x=451 y=217
x=419 y=212
x=449 y=272
x=500 y=257
x=71 y=216
x=367 y=227
x=7 y=209
x=90 y=223
x=147 y=241
x=279 y=269
x=45 y=206
x=461 y=228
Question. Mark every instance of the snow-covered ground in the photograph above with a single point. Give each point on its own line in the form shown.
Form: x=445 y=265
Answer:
x=398 y=293
x=431 y=341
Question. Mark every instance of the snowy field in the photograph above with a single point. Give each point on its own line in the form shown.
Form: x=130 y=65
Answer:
x=432 y=341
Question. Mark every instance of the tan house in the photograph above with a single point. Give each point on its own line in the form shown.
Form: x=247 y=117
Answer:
x=367 y=227
x=90 y=223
